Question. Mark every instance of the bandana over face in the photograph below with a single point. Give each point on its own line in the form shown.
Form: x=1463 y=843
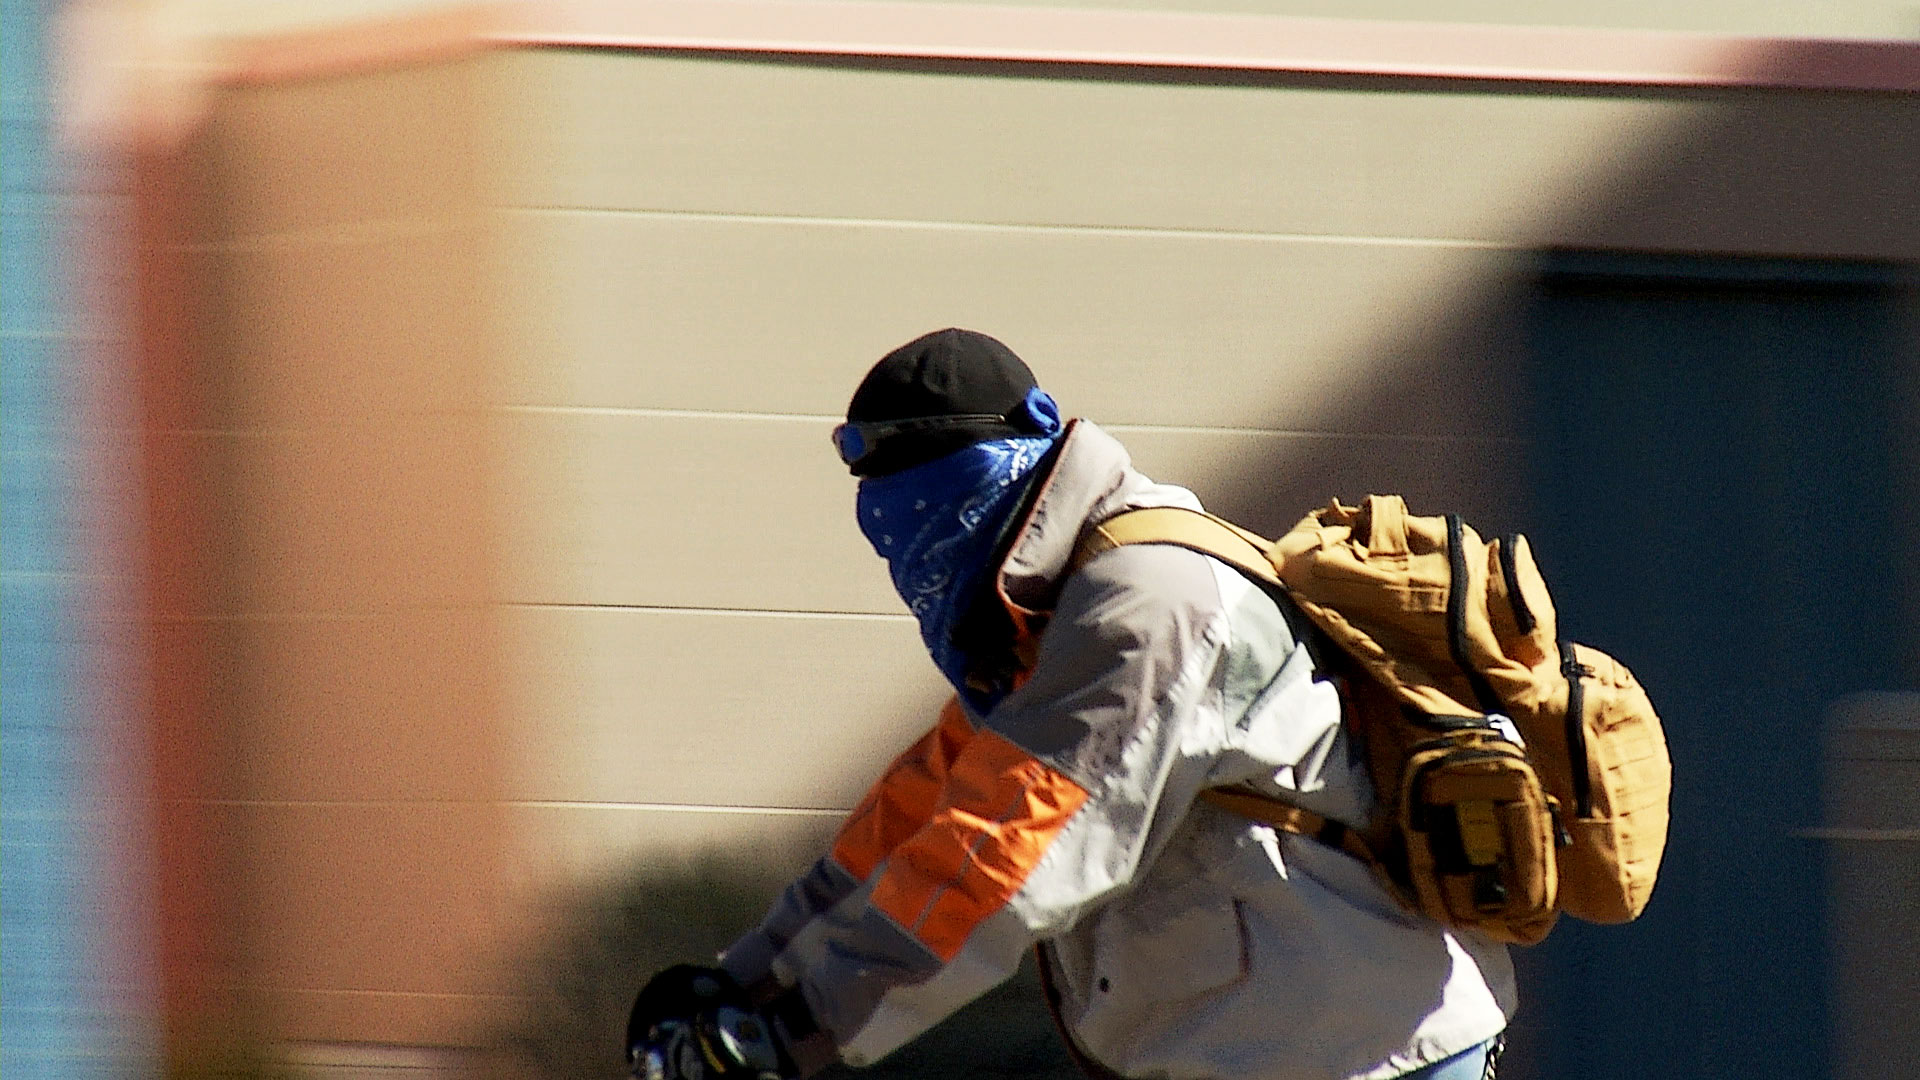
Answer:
x=936 y=525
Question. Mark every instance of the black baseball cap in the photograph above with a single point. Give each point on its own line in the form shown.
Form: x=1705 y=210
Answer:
x=936 y=394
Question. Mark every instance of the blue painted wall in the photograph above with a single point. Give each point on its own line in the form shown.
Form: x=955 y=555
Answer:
x=1716 y=503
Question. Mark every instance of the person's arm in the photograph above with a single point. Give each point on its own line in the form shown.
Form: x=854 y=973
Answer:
x=684 y=1002
x=1053 y=806
x=894 y=808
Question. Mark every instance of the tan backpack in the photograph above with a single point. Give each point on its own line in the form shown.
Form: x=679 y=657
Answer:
x=1517 y=775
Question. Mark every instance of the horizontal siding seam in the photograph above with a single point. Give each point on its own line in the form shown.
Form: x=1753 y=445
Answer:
x=1293 y=433
x=1042 y=228
x=275 y=988
x=665 y=414
x=406 y=420
x=517 y=804
x=640 y=412
x=381 y=613
x=399 y=612
x=369 y=233
x=750 y=613
x=683 y=808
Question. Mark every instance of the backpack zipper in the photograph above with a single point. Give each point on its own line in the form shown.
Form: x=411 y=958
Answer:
x=1469 y=751
x=1436 y=722
x=1457 y=615
x=1510 y=570
x=1575 y=671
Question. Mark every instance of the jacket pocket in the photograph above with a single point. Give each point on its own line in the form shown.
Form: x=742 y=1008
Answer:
x=1154 y=954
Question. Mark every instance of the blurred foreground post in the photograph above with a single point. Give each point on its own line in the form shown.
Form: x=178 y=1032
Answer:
x=1873 y=871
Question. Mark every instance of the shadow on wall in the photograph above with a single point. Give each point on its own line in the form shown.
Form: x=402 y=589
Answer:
x=1784 y=174
x=1750 y=172
x=1722 y=976
x=1725 y=975
x=577 y=982
x=1710 y=453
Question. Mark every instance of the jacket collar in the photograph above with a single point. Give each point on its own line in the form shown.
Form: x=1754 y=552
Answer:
x=1092 y=479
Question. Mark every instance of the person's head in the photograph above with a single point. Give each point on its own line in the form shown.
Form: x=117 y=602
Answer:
x=945 y=433
x=936 y=394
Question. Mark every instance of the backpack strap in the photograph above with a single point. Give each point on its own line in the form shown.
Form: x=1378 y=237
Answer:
x=1271 y=810
x=1247 y=552
x=1237 y=547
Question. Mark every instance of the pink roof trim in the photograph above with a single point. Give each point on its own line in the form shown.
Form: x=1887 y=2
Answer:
x=1118 y=38
x=1210 y=41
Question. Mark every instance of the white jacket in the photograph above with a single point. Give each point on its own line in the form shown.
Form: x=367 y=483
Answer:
x=1184 y=940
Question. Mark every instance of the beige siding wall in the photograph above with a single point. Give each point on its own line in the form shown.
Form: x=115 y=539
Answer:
x=541 y=565
x=1275 y=290
x=702 y=259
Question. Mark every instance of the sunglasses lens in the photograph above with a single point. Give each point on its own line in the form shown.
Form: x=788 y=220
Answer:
x=850 y=442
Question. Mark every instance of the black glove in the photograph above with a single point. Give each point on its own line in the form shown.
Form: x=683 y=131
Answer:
x=695 y=1023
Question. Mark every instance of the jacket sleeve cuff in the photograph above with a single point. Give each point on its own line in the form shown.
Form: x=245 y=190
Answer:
x=810 y=1047
x=750 y=960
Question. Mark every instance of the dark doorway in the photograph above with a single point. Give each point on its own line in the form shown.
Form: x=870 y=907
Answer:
x=1715 y=469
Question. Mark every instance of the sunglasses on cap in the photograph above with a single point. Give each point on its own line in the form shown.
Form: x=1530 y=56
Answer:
x=859 y=440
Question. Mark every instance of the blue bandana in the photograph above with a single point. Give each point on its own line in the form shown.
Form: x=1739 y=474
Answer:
x=936 y=524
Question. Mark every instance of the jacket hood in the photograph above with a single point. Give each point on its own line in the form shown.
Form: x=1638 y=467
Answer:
x=1092 y=479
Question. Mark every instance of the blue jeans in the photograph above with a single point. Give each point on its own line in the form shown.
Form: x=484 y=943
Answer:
x=1475 y=1063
